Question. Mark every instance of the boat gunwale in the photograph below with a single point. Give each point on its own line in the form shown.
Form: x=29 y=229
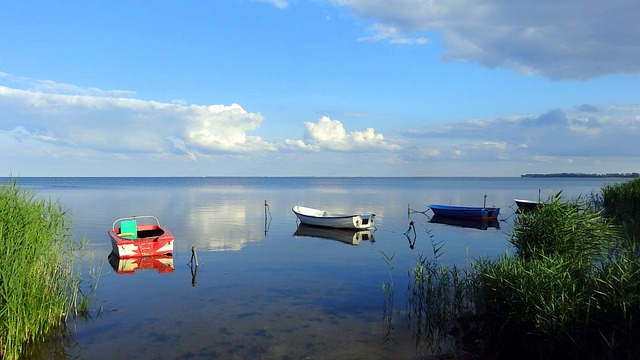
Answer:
x=328 y=214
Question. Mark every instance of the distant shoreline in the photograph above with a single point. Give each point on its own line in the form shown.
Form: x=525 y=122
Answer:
x=581 y=175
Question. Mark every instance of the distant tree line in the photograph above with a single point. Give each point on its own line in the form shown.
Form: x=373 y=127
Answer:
x=582 y=175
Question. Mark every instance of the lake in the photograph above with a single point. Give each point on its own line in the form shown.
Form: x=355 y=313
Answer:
x=261 y=290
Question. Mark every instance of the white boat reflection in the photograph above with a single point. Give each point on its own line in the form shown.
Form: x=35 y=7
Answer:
x=162 y=263
x=347 y=236
x=467 y=223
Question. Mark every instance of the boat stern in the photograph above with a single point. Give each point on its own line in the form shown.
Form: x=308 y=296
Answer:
x=363 y=221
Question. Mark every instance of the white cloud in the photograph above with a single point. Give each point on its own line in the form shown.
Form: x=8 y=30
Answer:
x=223 y=128
x=331 y=135
x=300 y=145
x=573 y=39
x=125 y=125
x=387 y=32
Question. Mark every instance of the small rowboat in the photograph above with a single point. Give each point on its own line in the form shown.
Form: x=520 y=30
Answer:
x=317 y=217
x=466 y=212
x=137 y=236
x=526 y=205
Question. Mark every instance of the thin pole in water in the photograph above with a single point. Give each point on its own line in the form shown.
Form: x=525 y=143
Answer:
x=194 y=255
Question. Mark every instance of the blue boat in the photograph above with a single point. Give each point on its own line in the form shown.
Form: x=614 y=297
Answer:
x=466 y=212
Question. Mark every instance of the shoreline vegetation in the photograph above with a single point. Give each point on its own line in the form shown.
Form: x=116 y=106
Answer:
x=582 y=175
x=39 y=281
x=570 y=290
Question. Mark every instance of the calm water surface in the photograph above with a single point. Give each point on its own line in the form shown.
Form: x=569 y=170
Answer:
x=261 y=291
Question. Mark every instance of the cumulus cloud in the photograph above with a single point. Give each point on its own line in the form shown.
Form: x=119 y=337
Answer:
x=127 y=125
x=332 y=135
x=573 y=39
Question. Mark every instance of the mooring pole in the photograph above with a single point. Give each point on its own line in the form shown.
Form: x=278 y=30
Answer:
x=194 y=255
x=266 y=209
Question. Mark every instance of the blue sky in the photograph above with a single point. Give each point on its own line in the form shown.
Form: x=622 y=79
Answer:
x=319 y=88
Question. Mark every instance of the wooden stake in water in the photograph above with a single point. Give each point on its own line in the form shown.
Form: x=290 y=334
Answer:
x=266 y=212
x=194 y=255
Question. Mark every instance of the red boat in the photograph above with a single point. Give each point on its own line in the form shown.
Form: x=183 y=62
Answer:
x=137 y=236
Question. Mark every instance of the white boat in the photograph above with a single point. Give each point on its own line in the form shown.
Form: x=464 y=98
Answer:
x=526 y=205
x=318 y=217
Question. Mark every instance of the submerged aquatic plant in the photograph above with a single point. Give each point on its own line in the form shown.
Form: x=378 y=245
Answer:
x=38 y=286
x=388 y=293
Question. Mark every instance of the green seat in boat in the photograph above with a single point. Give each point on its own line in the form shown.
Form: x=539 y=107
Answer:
x=129 y=229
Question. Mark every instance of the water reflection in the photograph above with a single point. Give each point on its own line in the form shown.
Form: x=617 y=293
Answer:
x=467 y=223
x=223 y=225
x=351 y=237
x=163 y=264
x=412 y=242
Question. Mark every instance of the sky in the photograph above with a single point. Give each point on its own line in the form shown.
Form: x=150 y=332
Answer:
x=319 y=87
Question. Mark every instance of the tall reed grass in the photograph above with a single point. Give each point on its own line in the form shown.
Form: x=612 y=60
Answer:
x=441 y=301
x=622 y=202
x=38 y=286
x=570 y=290
x=622 y=199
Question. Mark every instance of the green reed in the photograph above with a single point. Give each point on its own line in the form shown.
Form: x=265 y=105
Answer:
x=571 y=289
x=622 y=199
x=388 y=294
x=38 y=287
x=622 y=202
x=438 y=298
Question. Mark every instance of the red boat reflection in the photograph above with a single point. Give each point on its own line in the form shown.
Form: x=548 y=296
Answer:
x=162 y=263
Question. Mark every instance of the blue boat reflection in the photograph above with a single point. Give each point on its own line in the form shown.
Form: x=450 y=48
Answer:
x=347 y=236
x=467 y=223
x=162 y=263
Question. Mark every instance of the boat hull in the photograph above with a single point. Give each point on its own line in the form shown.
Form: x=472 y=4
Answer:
x=466 y=212
x=322 y=218
x=152 y=240
x=526 y=205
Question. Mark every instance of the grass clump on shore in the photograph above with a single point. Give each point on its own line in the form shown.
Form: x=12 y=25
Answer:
x=38 y=287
